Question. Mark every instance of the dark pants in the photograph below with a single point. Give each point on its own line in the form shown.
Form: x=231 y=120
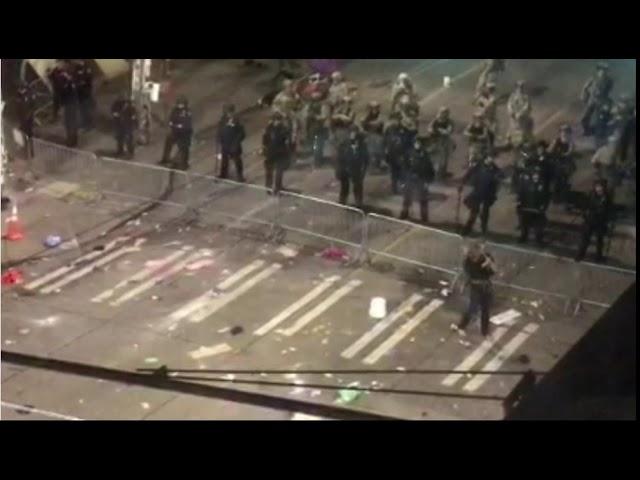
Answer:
x=125 y=138
x=26 y=127
x=277 y=165
x=71 y=124
x=481 y=207
x=86 y=111
x=533 y=220
x=561 y=187
x=586 y=118
x=224 y=167
x=394 y=169
x=183 y=142
x=479 y=299
x=358 y=188
x=588 y=231
x=318 y=141
x=56 y=104
x=416 y=188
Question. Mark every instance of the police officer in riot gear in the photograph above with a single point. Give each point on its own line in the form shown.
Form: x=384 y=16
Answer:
x=180 y=134
x=373 y=127
x=317 y=130
x=561 y=152
x=596 y=89
x=351 y=166
x=525 y=156
x=597 y=216
x=277 y=149
x=418 y=172
x=125 y=122
x=541 y=161
x=478 y=134
x=533 y=200
x=479 y=266
x=395 y=145
x=231 y=136
x=26 y=105
x=440 y=131
x=83 y=77
x=603 y=121
x=484 y=178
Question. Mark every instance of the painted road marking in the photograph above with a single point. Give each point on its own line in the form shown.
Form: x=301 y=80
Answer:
x=89 y=268
x=379 y=327
x=141 y=275
x=322 y=307
x=219 y=302
x=63 y=270
x=204 y=352
x=475 y=356
x=294 y=307
x=402 y=332
x=197 y=303
x=496 y=362
x=549 y=121
x=45 y=413
x=153 y=281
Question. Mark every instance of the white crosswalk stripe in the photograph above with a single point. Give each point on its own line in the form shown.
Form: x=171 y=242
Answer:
x=225 y=298
x=294 y=307
x=381 y=326
x=311 y=315
x=177 y=267
x=67 y=268
x=402 y=332
x=200 y=301
x=90 y=268
x=138 y=277
x=505 y=352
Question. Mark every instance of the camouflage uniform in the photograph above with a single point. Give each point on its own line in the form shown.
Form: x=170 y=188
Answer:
x=521 y=122
x=403 y=87
x=440 y=130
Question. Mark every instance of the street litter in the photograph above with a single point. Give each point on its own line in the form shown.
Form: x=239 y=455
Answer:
x=70 y=244
x=464 y=343
x=290 y=376
x=442 y=340
x=24 y=331
x=145 y=405
x=134 y=222
x=297 y=391
x=284 y=352
x=237 y=330
x=401 y=369
x=535 y=304
x=442 y=282
x=52 y=241
x=229 y=376
x=298 y=382
x=541 y=316
x=154 y=263
x=325 y=341
x=292 y=349
x=445 y=292
x=12 y=277
x=287 y=252
x=175 y=242
x=348 y=395
x=334 y=253
x=507 y=317
x=155 y=297
x=315 y=393
x=151 y=360
x=9 y=342
x=328 y=375
x=98 y=248
x=225 y=329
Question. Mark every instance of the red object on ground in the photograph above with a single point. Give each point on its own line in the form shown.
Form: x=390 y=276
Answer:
x=334 y=253
x=15 y=232
x=12 y=277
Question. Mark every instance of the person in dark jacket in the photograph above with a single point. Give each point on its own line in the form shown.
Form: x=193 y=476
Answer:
x=83 y=78
x=373 y=128
x=395 y=146
x=561 y=152
x=180 y=134
x=597 y=217
x=479 y=266
x=26 y=105
x=541 y=161
x=418 y=173
x=231 y=136
x=533 y=201
x=484 y=178
x=351 y=166
x=277 y=148
x=125 y=122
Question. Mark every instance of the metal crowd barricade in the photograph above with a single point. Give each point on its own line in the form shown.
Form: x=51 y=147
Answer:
x=60 y=163
x=322 y=222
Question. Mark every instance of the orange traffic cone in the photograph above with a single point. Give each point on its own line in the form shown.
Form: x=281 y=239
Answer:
x=15 y=232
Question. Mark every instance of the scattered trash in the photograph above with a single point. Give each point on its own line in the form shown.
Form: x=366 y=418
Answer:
x=292 y=349
x=334 y=253
x=298 y=382
x=150 y=359
x=378 y=308
x=315 y=393
x=464 y=343
x=287 y=251
x=200 y=264
x=24 y=331
x=173 y=327
x=12 y=276
x=81 y=400
x=297 y=391
x=134 y=223
x=154 y=263
x=229 y=376
x=328 y=375
x=541 y=316
x=455 y=406
x=442 y=282
x=155 y=297
x=442 y=340
x=71 y=244
x=535 y=304
x=52 y=241
x=290 y=376
x=348 y=395
x=284 y=352
x=98 y=248
x=325 y=341
x=145 y=405
x=412 y=339
x=445 y=292
x=264 y=375
x=401 y=369
x=524 y=359
x=46 y=322
x=9 y=342
x=175 y=242
x=225 y=329
x=507 y=317
x=225 y=272
x=237 y=330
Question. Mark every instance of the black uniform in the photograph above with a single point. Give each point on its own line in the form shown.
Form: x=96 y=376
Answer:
x=597 y=215
x=26 y=105
x=125 y=122
x=602 y=121
x=278 y=149
x=180 y=133
x=418 y=173
x=480 y=291
x=66 y=96
x=540 y=162
x=83 y=78
x=317 y=131
x=533 y=201
x=351 y=167
x=484 y=179
x=55 y=77
x=525 y=156
x=563 y=166
x=441 y=130
x=373 y=126
x=231 y=136
x=600 y=89
x=395 y=144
